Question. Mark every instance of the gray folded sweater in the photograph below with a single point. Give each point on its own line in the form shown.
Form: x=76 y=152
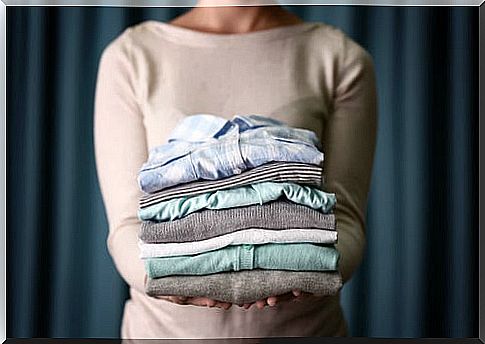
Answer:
x=210 y=223
x=246 y=286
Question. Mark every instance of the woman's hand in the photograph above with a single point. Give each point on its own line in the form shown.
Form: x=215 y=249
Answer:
x=271 y=301
x=196 y=301
x=295 y=295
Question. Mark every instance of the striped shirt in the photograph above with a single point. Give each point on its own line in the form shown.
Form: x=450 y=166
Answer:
x=259 y=193
x=300 y=173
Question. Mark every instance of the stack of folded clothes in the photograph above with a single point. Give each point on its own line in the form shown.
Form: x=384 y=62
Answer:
x=232 y=210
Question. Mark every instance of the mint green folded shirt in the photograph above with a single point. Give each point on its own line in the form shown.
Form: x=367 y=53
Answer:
x=259 y=193
x=294 y=257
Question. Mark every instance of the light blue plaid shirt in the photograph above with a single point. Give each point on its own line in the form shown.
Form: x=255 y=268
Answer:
x=208 y=147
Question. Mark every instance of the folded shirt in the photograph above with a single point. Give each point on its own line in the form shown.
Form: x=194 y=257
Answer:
x=252 y=236
x=295 y=257
x=294 y=172
x=246 y=286
x=209 y=147
x=206 y=224
x=238 y=197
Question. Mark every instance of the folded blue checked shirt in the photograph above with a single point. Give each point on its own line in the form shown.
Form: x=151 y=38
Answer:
x=208 y=147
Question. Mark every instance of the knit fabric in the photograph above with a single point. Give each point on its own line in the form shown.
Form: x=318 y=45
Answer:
x=294 y=257
x=210 y=223
x=246 y=286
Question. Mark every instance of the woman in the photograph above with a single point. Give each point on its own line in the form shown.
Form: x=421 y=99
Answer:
x=227 y=61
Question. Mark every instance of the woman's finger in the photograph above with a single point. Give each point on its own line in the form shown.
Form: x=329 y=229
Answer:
x=175 y=299
x=210 y=303
x=302 y=296
x=224 y=305
x=199 y=301
x=260 y=304
x=272 y=300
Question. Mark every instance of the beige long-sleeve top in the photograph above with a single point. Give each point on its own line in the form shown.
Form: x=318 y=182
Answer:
x=309 y=75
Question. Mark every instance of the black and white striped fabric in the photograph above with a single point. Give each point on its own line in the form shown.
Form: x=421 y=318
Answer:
x=295 y=172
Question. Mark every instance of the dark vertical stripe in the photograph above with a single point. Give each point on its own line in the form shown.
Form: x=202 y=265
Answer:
x=472 y=152
x=17 y=308
x=45 y=185
x=437 y=116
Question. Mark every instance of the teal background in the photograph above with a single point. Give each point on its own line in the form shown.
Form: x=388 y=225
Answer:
x=419 y=274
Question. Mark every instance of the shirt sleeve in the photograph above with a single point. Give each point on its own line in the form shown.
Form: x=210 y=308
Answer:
x=349 y=139
x=120 y=150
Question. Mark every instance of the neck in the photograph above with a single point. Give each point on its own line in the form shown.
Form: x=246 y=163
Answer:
x=213 y=16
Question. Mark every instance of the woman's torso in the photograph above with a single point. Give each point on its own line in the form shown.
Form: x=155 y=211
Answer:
x=288 y=73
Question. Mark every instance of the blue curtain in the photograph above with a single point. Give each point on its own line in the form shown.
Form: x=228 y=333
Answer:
x=419 y=275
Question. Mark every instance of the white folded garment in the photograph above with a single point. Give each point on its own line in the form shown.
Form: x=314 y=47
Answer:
x=254 y=236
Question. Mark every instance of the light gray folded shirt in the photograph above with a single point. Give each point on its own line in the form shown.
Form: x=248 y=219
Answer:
x=246 y=286
x=210 y=223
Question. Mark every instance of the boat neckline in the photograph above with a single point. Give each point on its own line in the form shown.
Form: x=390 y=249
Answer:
x=187 y=35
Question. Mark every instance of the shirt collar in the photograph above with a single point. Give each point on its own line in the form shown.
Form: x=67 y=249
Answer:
x=197 y=128
x=202 y=127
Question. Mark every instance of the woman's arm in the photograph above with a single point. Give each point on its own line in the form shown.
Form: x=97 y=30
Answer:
x=120 y=149
x=349 y=140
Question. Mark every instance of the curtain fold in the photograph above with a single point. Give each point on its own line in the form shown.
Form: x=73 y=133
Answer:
x=419 y=274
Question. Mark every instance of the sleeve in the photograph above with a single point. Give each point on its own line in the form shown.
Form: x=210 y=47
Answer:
x=349 y=139
x=120 y=150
